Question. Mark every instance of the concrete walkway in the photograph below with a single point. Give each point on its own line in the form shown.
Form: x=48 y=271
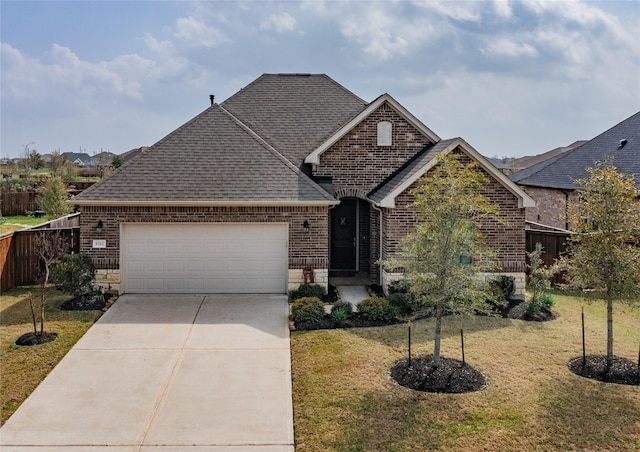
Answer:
x=168 y=373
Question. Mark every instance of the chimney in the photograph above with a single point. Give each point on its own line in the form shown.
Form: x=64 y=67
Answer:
x=211 y=97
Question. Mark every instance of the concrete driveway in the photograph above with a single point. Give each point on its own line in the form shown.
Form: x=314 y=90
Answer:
x=168 y=373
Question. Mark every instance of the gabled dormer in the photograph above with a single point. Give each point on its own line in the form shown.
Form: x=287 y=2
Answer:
x=371 y=146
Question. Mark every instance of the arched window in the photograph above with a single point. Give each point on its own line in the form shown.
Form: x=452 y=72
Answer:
x=384 y=133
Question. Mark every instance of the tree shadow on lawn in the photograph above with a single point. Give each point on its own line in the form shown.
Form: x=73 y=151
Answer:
x=423 y=330
x=20 y=312
x=590 y=415
x=394 y=420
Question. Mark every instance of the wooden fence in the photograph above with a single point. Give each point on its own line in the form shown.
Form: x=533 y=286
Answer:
x=19 y=260
x=18 y=203
x=554 y=243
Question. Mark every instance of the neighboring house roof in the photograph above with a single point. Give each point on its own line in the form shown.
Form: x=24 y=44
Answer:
x=621 y=142
x=294 y=113
x=133 y=153
x=79 y=158
x=314 y=157
x=530 y=160
x=243 y=168
x=385 y=194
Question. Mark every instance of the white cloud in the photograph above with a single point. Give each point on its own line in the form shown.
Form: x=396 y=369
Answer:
x=192 y=29
x=461 y=11
x=279 y=22
x=502 y=9
x=504 y=47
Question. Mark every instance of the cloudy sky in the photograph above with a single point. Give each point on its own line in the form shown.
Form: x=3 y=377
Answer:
x=511 y=77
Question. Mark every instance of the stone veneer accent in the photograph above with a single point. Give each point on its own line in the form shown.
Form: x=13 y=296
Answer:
x=306 y=249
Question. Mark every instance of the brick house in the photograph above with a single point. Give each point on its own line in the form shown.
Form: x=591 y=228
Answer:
x=551 y=183
x=293 y=174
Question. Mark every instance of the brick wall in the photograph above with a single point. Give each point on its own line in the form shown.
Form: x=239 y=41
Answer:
x=356 y=160
x=551 y=206
x=507 y=240
x=306 y=249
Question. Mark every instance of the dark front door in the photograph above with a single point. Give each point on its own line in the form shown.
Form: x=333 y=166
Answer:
x=343 y=235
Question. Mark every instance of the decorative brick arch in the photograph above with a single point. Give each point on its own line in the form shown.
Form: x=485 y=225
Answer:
x=351 y=193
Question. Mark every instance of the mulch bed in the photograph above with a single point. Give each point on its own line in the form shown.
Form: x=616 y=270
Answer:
x=517 y=309
x=82 y=303
x=36 y=339
x=623 y=371
x=451 y=376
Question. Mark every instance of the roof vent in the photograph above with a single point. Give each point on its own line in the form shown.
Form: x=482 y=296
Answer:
x=622 y=143
x=211 y=97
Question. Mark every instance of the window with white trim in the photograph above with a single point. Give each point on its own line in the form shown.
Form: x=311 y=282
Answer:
x=384 y=133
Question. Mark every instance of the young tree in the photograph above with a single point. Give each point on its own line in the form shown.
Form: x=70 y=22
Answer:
x=57 y=163
x=604 y=252
x=53 y=197
x=539 y=281
x=50 y=246
x=443 y=256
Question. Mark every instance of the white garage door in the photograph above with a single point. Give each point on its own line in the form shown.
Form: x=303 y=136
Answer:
x=204 y=258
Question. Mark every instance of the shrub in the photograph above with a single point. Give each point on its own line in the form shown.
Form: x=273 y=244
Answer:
x=376 y=309
x=308 y=290
x=74 y=274
x=341 y=311
x=404 y=302
x=506 y=284
x=307 y=309
x=399 y=286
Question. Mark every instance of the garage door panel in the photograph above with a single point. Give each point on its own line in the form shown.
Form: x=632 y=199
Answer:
x=210 y=258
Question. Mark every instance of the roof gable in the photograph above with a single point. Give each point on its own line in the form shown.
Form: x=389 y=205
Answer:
x=562 y=170
x=385 y=195
x=294 y=113
x=211 y=160
x=314 y=157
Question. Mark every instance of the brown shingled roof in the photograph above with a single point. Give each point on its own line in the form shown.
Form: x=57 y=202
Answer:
x=295 y=113
x=211 y=159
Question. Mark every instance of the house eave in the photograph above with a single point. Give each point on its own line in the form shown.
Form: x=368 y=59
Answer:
x=314 y=157
x=211 y=203
x=524 y=200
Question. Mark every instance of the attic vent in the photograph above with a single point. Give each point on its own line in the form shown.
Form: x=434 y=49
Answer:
x=384 y=133
x=622 y=143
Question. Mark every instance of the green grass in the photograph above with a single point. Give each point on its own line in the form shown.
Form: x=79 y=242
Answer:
x=344 y=399
x=23 y=368
x=17 y=222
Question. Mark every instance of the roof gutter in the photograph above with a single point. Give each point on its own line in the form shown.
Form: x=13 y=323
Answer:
x=211 y=203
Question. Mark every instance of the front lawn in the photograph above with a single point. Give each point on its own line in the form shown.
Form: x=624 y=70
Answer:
x=345 y=400
x=23 y=368
x=17 y=222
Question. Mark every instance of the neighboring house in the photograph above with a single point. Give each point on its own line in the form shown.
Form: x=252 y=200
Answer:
x=292 y=173
x=78 y=158
x=551 y=183
x=85 y=160
x=133 y=153
x=510 y=165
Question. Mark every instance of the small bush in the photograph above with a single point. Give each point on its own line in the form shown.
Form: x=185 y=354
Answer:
x=404 y=302
x=543 y=301
x=506 y=284
x=376 y=309
x=307 y=309
x=308 y=290
x=74 y=274
x=341 y=311
x=399 y=286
